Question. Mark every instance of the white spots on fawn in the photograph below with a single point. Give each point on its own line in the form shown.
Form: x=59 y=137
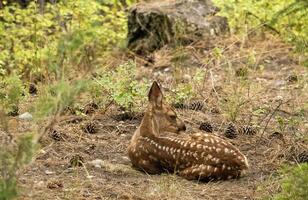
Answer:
x=218 y=150
x=192 y=145
x=199 y=146
x=223 y=167
x=206 y=140
x=228 y=168
x=194 y=170
x=196 y=156
x=215 y=169
x=226 y=150
x=144 y=162
x=209 y=156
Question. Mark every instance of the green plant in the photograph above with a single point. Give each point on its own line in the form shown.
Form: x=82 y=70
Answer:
x=56 y=97
x=287 y=18
x=11 y=159
x=235 y=101
x=52 y=100
x=34 y=44
x=294 y=184
x=123 y=88
x=11 y=93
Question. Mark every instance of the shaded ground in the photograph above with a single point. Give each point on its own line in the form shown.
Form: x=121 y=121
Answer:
x=259 y=83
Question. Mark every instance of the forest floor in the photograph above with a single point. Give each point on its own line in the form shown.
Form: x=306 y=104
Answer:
x=257 y=83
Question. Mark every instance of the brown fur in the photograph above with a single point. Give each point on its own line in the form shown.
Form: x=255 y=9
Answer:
x=199 y=156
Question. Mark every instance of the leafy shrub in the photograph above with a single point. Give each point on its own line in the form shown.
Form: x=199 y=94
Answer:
x=187 y=91
x=11 y=93
x=11 y=159
x=294 y=184
x=56 y=97
x=69 y=33
x=123 y=88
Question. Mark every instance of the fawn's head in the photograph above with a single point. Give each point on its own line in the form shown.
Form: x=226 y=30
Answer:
x=164 y=118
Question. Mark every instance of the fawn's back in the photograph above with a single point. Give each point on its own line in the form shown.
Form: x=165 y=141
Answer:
x=155 y=148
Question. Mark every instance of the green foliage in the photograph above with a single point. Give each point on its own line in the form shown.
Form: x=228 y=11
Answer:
x=32 y=43
x=187 y=91
x=11 y=159
x=287 y=17
x=11 y=93
x=122 y=86
x=54 y=98
x=183 y=92
x=294 y=184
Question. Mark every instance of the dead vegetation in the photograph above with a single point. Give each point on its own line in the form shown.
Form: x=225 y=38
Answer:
x=249 y=94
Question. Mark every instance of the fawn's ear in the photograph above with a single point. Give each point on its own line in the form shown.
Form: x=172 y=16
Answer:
x=155 y=95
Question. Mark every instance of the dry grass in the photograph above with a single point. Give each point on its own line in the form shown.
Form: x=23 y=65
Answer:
x=247 y=82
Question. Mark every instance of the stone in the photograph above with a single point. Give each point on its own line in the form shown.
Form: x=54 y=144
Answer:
x=154 y=24
x=25 y=116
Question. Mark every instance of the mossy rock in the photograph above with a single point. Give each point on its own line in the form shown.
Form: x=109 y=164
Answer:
x=155 y=24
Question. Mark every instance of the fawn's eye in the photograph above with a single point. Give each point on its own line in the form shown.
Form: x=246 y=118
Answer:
x=172 y=117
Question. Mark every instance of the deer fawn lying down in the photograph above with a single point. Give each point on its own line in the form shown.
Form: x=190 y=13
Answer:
x=198 y=156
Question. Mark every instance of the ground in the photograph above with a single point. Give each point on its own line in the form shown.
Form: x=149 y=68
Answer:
x=256 y=83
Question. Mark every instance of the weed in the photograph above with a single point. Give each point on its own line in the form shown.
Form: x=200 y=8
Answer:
x=294 y=184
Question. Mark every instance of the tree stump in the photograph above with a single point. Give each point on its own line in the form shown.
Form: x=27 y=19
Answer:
x=155 y=24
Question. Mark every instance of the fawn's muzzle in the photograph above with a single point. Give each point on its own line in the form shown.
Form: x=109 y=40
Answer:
x=182 y=127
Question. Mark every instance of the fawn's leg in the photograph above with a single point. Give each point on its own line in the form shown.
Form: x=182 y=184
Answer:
x=149 y=166
x=203 y=171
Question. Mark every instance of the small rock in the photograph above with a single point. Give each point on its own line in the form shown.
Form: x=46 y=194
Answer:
x=25 y=116
x=279 y=83
x=47 y=172
x=40 y=184
x=98 y=163
x=187 y=78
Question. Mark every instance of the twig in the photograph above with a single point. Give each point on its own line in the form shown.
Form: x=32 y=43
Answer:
x=265 y=24
x=213 y=85
x=271 y=116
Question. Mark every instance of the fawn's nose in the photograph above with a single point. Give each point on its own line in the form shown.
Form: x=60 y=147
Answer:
x=182 y=127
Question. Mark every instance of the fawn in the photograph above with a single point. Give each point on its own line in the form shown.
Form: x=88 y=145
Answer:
x=198 y=156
